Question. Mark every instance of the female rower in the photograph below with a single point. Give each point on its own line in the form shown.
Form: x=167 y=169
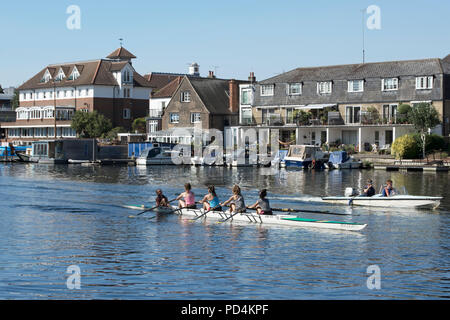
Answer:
x=262 y=205
x=211 y=201
x=189 y=198
x=161 y=199
x=236 y=201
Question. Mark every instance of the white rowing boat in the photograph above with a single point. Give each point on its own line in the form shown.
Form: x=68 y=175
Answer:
x=395 y=201
x=286 y=220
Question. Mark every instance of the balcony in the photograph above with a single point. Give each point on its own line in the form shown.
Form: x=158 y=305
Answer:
x=155 y=113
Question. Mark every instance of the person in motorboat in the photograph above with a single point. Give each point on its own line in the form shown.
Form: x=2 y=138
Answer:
x=161 y=200
x=262 y=205
x=388 y=190
x=188 y=198
x=369 y=190
x=211 y=201
x=236 y=201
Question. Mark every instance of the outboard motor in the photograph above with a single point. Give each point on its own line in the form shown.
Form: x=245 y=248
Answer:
x=348 y=192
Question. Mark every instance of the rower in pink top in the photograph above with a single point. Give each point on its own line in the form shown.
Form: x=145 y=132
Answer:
x=188 y=196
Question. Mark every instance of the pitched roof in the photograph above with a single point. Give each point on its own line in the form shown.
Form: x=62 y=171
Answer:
x=121 y=53
x=213 y=92
x=159 y=79
x=169 y=89
x=360 y=71
x=95 y=72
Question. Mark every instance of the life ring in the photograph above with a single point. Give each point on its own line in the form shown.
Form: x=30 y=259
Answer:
x=313 y=164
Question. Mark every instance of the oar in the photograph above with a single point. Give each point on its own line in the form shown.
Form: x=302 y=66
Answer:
x=203 y=214
x=228 y=218
x=308 y=211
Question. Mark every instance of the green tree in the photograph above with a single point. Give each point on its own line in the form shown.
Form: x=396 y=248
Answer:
x=424 y=117
x=112 y=134
x=403 y=112
x=15 y=101
x=139 y=125
x=90 y=124
x=405 y=147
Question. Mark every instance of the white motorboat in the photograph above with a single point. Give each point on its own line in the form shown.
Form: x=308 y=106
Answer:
x=378 y=200
x=155 y=155
x=341 y=160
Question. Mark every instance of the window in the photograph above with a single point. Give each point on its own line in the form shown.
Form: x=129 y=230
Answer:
x=290 y=115
x=185 y=96
x=352 y=114
x=389 y=113
x=267 y=90
x=60 y=75
x=68 y=132
x=127 y=77
x=324 y=87
x=126 y=113
x=152 y=126
x=174 y=118
x=195 y=117
x=356 y=86
x=126 y=92
x=246 y=96
x=46 y=78
x=389 y=84
x=424 y=83
x=74 y=75
x=294 y=89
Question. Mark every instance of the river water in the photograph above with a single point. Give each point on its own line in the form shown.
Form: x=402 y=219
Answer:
x=56 y=216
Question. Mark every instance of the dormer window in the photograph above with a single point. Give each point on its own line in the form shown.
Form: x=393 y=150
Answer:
x=424 y=82
x=60 y=76
x=47 y=76
x=294 y=89
x=74 y=75
x=127 y=76
x=267 y=90
x=389 y=84
x=324 y=87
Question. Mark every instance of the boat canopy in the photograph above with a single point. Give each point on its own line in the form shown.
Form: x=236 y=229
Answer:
x=302 y=151
x=337 y=157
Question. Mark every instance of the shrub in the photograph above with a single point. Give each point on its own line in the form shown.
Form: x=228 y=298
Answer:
x=112 y=134
x=405 y=147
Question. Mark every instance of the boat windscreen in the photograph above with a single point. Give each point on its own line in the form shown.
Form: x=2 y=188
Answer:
x=296 y=151
x=338 y=157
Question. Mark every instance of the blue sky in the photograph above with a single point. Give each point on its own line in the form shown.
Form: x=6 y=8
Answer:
x=236 y=37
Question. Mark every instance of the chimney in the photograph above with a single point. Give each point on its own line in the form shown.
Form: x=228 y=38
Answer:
x=234 y=96
x=251 y=77
x=211 y=75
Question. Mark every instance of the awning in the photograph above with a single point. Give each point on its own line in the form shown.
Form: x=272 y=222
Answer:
x=317 y=106
x=295 y=106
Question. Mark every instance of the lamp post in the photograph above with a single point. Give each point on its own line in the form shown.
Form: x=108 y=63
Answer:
x=54 y=104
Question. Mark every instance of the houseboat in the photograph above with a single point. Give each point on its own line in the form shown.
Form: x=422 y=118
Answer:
x=305 y=156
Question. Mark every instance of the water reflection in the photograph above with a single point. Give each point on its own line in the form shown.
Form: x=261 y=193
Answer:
x=57 y=216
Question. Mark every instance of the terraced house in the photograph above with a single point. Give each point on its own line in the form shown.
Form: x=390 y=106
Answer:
x=353 y=104
x=49 y=99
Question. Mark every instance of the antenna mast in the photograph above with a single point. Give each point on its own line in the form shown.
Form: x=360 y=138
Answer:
x=363 y=40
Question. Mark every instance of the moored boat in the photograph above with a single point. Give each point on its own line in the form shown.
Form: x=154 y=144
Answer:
x=305 y=156
x=155 y=155
x=341 y=160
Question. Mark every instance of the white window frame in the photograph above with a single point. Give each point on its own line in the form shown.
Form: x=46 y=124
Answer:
x=185 y=96
x=351 y=86
x=196 y=117
x=172 y=115
x=394 y=86
x=248 y=92
x=324 y=87
x=126 y=113
x=424 y=82
x=267 y=90
x=291 y=85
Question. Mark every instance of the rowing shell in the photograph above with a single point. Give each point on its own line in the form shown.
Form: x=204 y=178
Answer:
x=286 y=220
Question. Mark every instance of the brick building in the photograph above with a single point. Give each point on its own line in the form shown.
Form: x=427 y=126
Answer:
x=109 y=86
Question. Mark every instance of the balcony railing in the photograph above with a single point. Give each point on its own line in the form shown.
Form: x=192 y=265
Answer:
x=333 y=118
x=155 y=114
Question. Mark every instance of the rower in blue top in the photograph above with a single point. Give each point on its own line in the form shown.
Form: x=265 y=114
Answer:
x=388 y=190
